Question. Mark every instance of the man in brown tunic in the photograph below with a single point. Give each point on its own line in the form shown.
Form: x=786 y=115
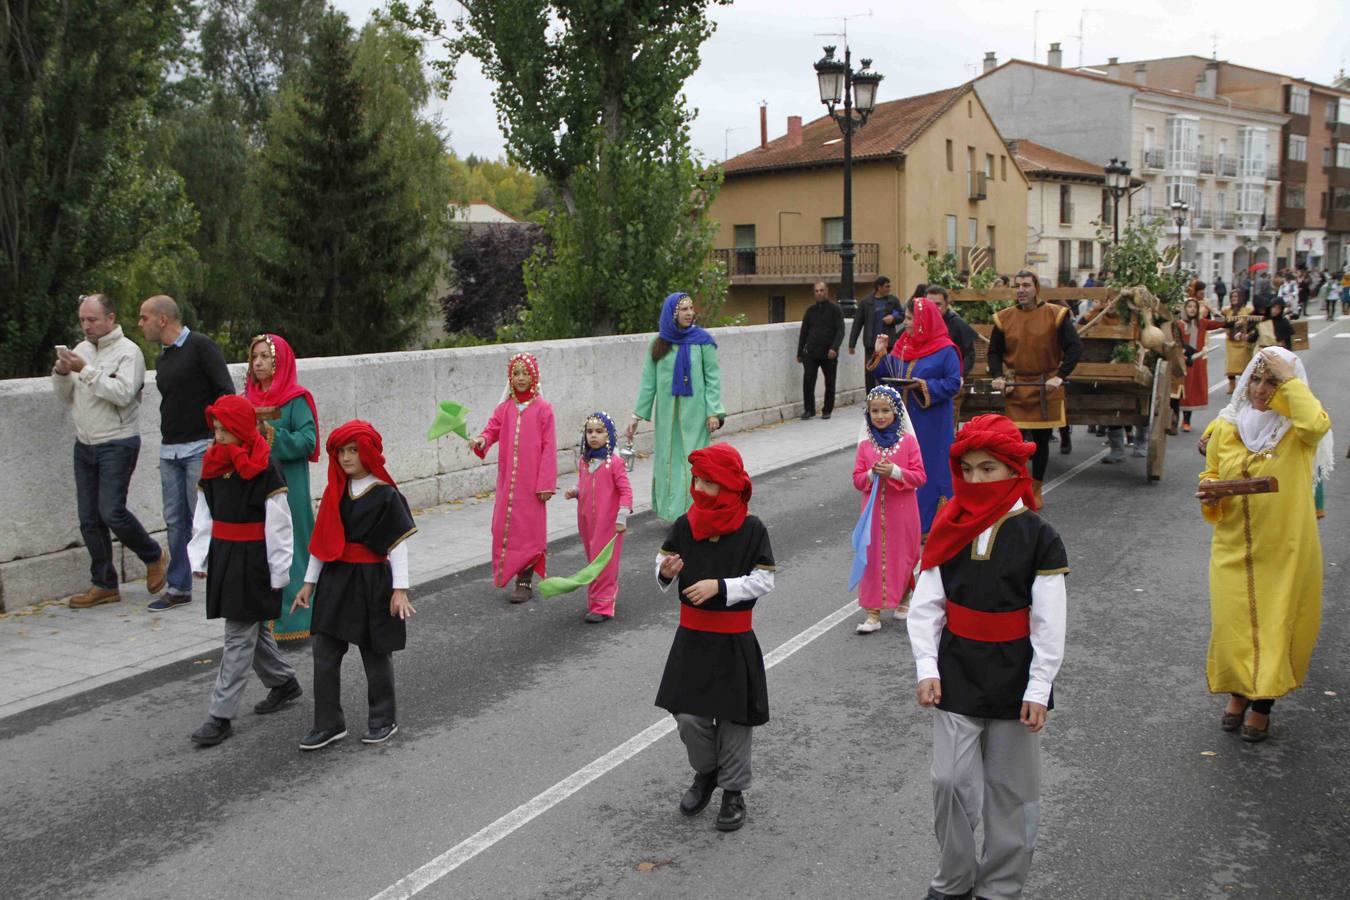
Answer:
x=1039 y=345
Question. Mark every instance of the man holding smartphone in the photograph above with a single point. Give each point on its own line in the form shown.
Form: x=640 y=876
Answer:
x=101 y=380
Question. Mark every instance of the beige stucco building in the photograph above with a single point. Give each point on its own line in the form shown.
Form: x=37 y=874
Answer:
x=931 y=172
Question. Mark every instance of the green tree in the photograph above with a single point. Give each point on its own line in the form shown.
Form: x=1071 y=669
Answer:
x=74 y=88
x=588 y=95
x=348 y=268
x=1136 y=260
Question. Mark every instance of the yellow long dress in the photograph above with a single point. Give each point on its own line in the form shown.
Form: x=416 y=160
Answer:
x=1265 y=564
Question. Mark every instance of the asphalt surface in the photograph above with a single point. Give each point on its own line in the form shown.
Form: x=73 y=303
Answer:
x=103 y=795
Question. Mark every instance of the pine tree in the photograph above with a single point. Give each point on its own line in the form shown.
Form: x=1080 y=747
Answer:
x=347 y=269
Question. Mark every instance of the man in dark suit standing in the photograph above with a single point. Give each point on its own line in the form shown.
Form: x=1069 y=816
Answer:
x=818 y=343
x=878 y=314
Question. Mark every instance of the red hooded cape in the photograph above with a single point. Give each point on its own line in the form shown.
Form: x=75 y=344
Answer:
x=329 y=536
x=974 y=507
x=284 y=387
x=926 y=335
x=723 y=514
x=249 y=457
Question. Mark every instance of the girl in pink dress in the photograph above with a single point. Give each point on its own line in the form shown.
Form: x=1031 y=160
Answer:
x=888 y=456
x=604 y=503
x=527 y=476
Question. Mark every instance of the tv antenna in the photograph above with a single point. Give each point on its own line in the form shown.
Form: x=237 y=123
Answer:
x=1082 y=15
x=843 y=34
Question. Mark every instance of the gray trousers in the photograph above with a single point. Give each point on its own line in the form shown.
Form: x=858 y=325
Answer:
x=984 y=770
x=247 y=645
x=714 y=744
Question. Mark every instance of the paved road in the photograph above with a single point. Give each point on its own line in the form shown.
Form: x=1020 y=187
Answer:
x=1145 y=797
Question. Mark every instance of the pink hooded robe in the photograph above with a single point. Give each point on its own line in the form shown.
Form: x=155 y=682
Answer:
x=600 y=495
x=894 y=548
x=527 y=463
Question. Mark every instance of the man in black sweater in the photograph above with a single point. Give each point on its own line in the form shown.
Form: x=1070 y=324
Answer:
x=962 y=335
x=190 y=375
x=880 y=313
x=818 y=343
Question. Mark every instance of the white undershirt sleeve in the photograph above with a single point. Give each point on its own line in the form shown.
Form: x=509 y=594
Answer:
x=748 y=587
x=200 y=545
x=313 y=570
x=660 y=582
x=927 y=616
x=1049 y=614
x=398 y=562
x=279 y=539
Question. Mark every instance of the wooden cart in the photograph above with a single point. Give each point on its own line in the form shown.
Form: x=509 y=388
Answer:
x=1099 y=392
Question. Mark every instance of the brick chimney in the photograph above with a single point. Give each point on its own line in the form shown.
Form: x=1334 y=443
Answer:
x=1141 y=74
x=990 y=61
x=764 y=124
x=1113 y=67
x=794 y=132
x=1055 y=58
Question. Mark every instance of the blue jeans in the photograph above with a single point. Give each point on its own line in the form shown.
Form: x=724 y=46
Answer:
x=178 y=480
x=102 y=474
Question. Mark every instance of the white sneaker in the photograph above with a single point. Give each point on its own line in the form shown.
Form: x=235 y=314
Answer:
x=867 y=626
x=901 y=612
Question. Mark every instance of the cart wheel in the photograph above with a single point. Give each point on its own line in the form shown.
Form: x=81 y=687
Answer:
x=1160 y=412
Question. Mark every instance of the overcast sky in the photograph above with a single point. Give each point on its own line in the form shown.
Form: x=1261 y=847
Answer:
x=763 y=51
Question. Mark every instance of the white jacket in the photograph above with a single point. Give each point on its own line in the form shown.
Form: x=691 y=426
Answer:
x=106 y=393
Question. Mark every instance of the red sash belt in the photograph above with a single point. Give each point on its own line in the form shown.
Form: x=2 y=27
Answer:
x=965 y=622
x=721 y=622
x=360 y=553
x=237 y=531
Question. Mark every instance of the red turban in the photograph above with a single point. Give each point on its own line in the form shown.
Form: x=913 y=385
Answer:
x=975 y=507
x=926 y=334
x=329 y=536
x=723 y=514
x=249 y=457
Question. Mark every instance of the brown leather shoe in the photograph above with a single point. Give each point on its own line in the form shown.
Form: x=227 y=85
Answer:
x=523 y=591
x=93 y=597
x=155 y=577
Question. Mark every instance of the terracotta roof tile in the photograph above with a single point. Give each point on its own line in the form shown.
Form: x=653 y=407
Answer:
x=891 y=129
x=1039 y=160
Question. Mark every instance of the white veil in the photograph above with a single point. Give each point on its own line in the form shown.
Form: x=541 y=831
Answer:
x=1261 y=431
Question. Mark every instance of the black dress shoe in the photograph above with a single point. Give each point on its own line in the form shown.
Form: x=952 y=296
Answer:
x=595 y=618
x=317 y=739
x=808 y=416
x=379 y=735
x=732 y=815
x=934 y=894
x=825 y=415
x=278 y=697
x=212 y=732
x=699 y=793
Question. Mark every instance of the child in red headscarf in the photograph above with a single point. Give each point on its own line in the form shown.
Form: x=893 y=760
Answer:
x=241 y=544
x=714 y=682
x=527 y=477
x=358 y=578
x=987 y=629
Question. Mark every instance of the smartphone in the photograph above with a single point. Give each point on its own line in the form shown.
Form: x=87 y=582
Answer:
x=61 y=348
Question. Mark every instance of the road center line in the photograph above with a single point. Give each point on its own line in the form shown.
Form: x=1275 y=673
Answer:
x=433 y=871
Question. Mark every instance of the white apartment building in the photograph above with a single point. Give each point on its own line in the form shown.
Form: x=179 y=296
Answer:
x=1220 y=158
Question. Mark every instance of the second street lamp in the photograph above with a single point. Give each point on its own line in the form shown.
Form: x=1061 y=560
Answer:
x=1118 y=183
x=1179 y=210
x=858 y=91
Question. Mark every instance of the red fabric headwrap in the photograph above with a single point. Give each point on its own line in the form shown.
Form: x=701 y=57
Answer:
x=249 y=457
x=926 y=334
x=974 y=507
x=532 y=365
x=284 y=387
x=329 y=536
x=723 y=514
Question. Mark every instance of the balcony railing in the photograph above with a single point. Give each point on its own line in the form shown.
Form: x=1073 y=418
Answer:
x=1207 y=164
x=1203 y=220
x=1227 y=221
x=1228 y=167
x=979 y=187
x=795 y=262
x=1155 y=159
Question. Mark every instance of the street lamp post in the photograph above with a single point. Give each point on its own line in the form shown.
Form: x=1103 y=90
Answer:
x=1118 y=183
x=1179 y=210
x=858 y=91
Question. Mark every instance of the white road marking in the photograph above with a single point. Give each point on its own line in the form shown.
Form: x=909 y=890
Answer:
x=427 y=875
x=1344 y=334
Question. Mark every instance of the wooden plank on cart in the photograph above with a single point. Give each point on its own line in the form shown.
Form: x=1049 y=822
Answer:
x=1160 y=413
x=1300 y=339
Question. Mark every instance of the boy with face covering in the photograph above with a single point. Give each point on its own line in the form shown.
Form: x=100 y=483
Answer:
x=987 y=630
x=714 y=682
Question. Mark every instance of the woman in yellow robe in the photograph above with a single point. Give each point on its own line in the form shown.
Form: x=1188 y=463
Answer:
x=1265 y=567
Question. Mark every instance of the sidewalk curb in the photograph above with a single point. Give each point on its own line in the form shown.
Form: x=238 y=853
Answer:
x=429 y=580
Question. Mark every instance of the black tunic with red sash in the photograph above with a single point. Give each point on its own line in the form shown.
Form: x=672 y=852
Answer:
x=984 y=654
x=351 y=599
x=238 y=578
x=715 y=667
